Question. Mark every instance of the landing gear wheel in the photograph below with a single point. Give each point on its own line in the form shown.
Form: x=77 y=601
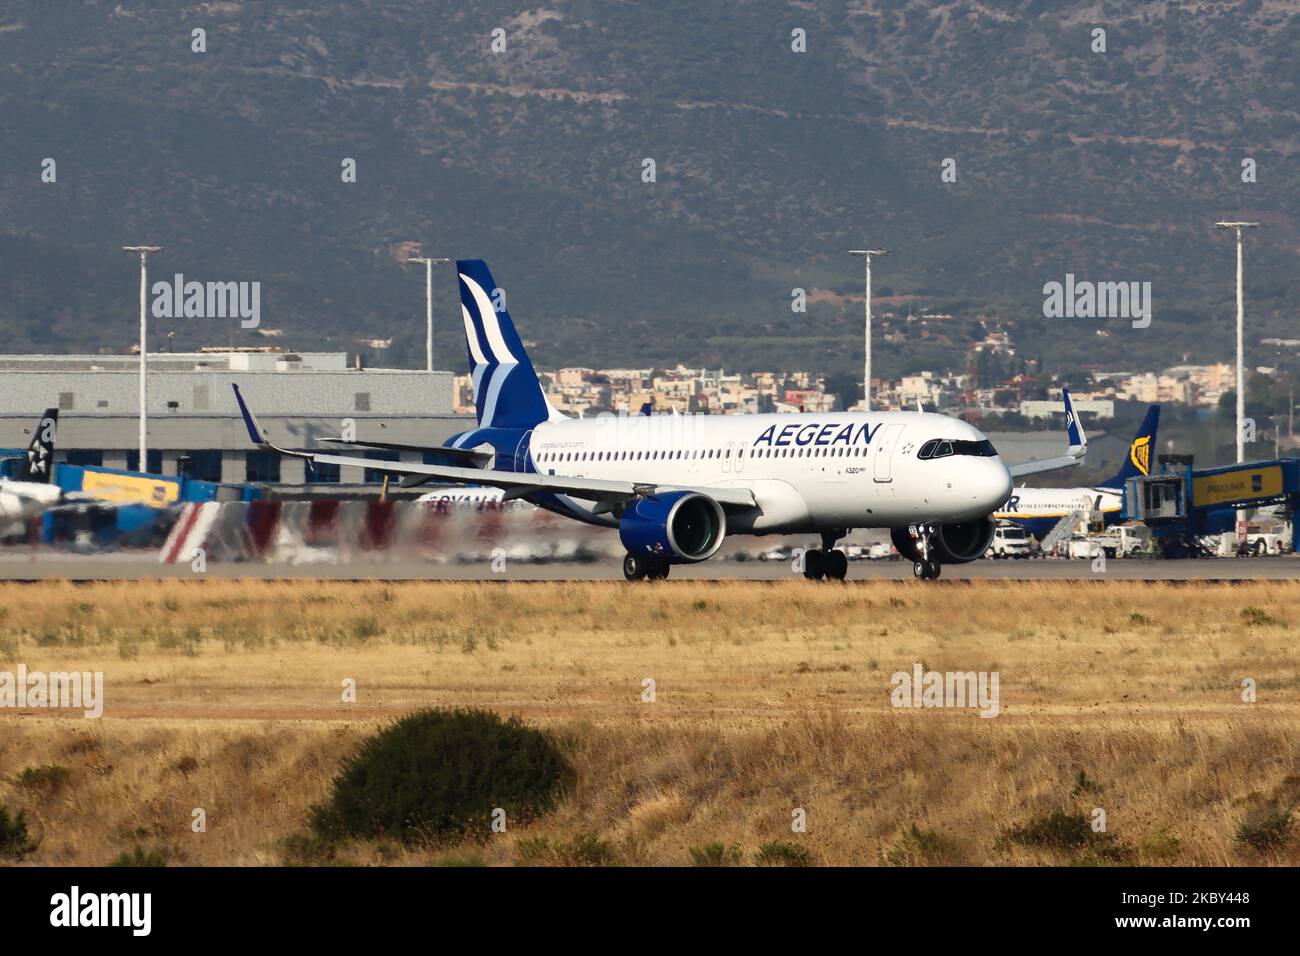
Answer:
x=658 y=570
x=814 y=564
x=635 y=567
x=926 y=570
x=837 y=565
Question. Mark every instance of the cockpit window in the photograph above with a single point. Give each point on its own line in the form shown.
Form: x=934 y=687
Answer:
x=943 y=447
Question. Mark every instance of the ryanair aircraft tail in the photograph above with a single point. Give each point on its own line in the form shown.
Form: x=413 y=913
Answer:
x=507 y=393
x=1140 y=452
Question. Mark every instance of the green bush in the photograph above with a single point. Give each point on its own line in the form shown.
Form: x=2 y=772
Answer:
x=1068 y=832
x=441 y=773
x=139 y=856
x=1266 y=830
x=14 y=842
x=534 y=851
x=1057 y=830
x=1163 y=845
x=782 y=853
x=47 y=780
x=585 y=849
x=308 y=849
x=1084 y=784
x=915 y=847
x=716 y=854
x=1257 y=617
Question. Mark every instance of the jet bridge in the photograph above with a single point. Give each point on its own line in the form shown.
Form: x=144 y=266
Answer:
x=1180 y=503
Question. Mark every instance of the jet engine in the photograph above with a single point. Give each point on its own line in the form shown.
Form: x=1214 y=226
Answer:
x=682 y=526
x=953 y=543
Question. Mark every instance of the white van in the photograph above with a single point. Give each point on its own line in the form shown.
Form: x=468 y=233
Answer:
x=1010 y=541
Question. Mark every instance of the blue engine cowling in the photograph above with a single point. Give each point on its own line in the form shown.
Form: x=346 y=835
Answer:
x=682 y=526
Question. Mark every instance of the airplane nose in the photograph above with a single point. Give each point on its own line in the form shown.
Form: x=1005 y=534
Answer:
x=991 y=486
x=1000 y=483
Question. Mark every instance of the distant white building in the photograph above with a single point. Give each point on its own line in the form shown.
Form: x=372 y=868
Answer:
x=300 y=397
x=1103 y=409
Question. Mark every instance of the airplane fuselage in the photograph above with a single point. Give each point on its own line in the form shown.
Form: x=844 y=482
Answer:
x=21 y=500
x=1038 y=510
x=808 y=472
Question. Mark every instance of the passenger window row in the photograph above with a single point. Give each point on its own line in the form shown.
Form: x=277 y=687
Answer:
x=705 y=454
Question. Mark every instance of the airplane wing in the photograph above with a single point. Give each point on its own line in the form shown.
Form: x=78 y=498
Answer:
x=460 y=454
x=516 y=484
x=1074 y=454
x=35 y=491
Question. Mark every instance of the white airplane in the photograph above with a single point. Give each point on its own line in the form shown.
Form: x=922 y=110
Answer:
x=1039 y=510
x=32 y=492
x=676 y=486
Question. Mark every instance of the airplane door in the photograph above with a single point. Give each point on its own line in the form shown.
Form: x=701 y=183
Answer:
x=885 y=452
x=521 y=451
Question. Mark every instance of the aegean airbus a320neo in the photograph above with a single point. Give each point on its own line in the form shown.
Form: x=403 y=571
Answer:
x=674 y=486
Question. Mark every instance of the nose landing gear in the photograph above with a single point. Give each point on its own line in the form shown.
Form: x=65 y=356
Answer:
x=926 y=570
x=927 y=566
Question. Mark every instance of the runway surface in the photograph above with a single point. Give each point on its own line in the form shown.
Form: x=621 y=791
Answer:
x=27 y=567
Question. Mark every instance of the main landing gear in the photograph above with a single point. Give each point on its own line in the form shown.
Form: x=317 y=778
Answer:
x=827 y=563
x=639 y=567
x=927 y=566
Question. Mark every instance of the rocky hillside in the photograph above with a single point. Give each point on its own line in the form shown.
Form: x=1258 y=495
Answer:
x=769 y=165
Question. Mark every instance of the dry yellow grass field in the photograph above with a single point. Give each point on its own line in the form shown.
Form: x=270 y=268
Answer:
x=226 y=696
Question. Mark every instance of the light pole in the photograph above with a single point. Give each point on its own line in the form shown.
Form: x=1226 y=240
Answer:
x=428 y=306
x=143 y=464
x=1241 y=368
x=866 y=372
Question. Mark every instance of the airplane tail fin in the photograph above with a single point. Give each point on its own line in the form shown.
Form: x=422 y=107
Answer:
x=1140 y=450
x=507 y=393
x=1074 y=433
x=39 y=463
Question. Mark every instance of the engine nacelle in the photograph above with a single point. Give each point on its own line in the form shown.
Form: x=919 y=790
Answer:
x=682 y=526
x=953 y=543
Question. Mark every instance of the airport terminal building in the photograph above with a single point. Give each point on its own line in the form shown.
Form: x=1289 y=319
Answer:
x=300 y=398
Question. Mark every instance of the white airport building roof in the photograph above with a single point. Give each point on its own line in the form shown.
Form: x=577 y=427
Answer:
x=300 y=397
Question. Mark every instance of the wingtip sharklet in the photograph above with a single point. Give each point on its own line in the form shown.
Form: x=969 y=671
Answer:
x=250 y=422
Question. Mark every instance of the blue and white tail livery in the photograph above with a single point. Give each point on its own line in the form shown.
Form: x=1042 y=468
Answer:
x=1073 y=430
x=507 y=393
x=675 y=486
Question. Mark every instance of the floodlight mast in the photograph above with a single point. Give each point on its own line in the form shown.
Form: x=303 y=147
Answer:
x=428 y=306
x=143 y=464
x=866 y=370
x=1238 y=228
